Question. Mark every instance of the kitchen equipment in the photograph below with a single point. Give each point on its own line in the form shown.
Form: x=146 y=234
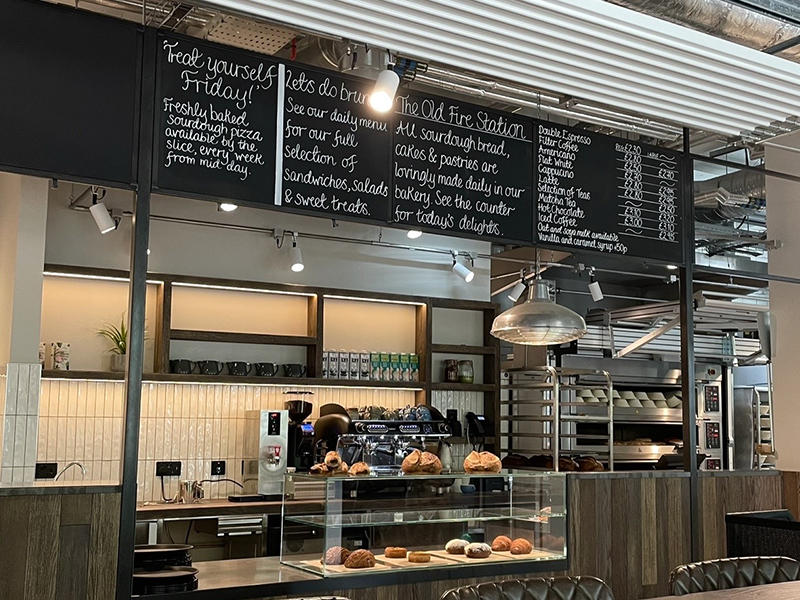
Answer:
x=327 y=430
x=294 y=370
x=239 y=368
x=154 y=557
x=466 y=372
x=453 y=422
x=267 y=448
x=752 y=433
x=210 y=367
x=165 y=581
x=190 y=491
x=301 y=434
x=383 y=444
x=266 y=369
x=181 y=366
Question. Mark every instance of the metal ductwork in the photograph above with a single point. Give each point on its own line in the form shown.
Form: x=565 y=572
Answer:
x=724 y=20
x=731 y=197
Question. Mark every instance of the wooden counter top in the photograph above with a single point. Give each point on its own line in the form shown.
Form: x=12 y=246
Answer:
x=212 y=508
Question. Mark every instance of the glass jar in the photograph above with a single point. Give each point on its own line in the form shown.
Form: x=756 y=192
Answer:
x=466 y=372
x=450 y=374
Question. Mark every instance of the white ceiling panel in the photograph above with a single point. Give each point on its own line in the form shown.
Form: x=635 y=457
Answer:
x=590 y=49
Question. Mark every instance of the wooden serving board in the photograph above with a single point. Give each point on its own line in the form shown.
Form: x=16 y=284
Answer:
x=493 y=557
x=533 y=554
x=436 y=561
x=315 y=564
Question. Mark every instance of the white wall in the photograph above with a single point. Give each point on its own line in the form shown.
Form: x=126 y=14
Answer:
x=72 y=238
x=783 y=223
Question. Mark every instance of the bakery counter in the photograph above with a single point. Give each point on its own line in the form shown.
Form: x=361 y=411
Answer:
x=267 y=577
x=212 y=508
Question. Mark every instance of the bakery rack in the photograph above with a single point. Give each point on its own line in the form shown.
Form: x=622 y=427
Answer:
x=540 y=410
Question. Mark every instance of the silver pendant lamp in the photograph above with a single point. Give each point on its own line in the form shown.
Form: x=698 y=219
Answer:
x=539 y=321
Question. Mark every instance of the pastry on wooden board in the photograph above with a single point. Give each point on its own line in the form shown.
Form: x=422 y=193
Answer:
x=521 y=546
x=359 y=468
x=395 y=552
x=456 y=546
x=478 y=550
x=360 y=559
x=502 y=543
x=336 y=555
x=419 y=557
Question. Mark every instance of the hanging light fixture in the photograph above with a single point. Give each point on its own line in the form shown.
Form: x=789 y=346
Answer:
x=462 y=270
x=382 y=97
x=518 y=289
x=539 y=321
x=103 y=218
x=295 y=256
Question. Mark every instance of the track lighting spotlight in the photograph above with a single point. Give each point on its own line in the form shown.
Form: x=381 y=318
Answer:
x=101 y=215
x=413 y=234
x=594 y=287
x=227 y=206
x=382 y=97
x=462 y=270
x=518 y=289
x=296 y=256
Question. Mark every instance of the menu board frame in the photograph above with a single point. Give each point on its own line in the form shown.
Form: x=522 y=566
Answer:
x=255 y=200
x=528 y=240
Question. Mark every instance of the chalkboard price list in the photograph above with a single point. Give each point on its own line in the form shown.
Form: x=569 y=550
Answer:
x=648 y=184
x=566 y=204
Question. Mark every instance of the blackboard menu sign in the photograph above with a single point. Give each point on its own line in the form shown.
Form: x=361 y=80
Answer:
x=216 y=114
x=608 y=195
x=460 y=168
x=334 y=149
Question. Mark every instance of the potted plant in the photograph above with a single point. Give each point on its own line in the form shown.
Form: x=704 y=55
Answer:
x=118 y=336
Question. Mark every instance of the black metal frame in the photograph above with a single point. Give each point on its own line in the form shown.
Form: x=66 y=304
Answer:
x=140 y=238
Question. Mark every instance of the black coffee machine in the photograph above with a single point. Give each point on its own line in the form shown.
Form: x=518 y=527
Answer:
x=301 y=434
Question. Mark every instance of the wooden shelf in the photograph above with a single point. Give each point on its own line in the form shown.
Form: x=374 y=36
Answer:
x=241 y=338
x=463 y=349
x=102 y=375
x=233 y=379
x=463 y=387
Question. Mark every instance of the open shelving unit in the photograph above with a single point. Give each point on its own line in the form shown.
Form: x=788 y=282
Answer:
x=165 y=333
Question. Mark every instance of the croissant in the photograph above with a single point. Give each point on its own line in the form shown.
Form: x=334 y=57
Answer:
x=521 y=546
x=360 y=559
x=501 y=543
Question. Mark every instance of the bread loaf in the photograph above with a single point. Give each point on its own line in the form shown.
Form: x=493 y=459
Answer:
x=359 y=468
x=421 y=462
x=320 y=469
x=482 y=462
x=333 y=461
x=478 y=550
x=456 y=546
x=360 y=559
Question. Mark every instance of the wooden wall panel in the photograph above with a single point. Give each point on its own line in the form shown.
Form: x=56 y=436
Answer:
x=59 y=547
x=720 y=495
x=791 y=492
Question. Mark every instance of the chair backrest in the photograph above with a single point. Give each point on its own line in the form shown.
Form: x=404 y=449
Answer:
x=727 y=573
x=554 y=588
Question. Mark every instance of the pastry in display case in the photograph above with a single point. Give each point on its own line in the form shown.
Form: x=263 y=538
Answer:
x=349 y=524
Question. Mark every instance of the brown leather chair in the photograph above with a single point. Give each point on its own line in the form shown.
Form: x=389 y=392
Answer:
x=554 y=588
x=727 y=573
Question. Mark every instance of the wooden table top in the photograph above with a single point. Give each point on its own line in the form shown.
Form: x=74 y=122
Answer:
x=772 y=591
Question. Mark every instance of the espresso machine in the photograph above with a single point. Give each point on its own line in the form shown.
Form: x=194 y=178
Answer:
x=384 y=444
x=301 y=433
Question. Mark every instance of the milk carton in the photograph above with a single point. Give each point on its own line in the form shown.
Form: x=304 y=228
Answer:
x=405 y=367
x=375 y=366
x=413 y=360
x=333 y=364
x=386 y=367
x=354 y=371
x=344 y=365
x=59 y=355
x=394 y=365
x=364 y=366
x=325 y=363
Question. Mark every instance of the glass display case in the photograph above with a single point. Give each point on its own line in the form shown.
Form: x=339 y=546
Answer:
x=421 y=521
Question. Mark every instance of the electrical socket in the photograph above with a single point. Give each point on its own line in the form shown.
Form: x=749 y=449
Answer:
x=46 y=470
x=168 y=469
x=218 y=467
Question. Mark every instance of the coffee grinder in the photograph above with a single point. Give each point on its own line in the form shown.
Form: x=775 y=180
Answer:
x=301 y=434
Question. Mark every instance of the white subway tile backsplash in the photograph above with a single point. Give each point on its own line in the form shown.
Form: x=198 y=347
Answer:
x=193 y=423
x=31 y=441
x=5 y=475
x=12 y=377
x=20 y=430
x=9 y=433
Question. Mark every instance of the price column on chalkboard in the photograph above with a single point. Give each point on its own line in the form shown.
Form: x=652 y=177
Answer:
x=648 y=184
x=460 y=168
x=333 y=150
